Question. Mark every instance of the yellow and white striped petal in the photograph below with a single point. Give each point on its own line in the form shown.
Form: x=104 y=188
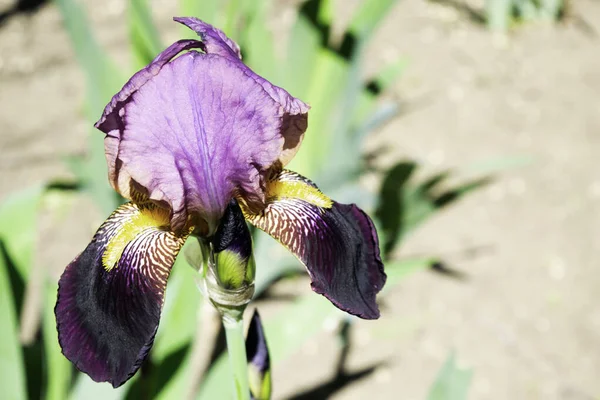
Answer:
x=336 y=242
x=110 y=297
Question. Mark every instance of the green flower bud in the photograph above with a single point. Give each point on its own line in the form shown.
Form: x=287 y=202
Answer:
x=259 y=364
x=231 y=269
x=232 y=250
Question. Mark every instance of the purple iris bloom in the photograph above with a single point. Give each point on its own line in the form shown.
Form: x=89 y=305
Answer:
x=185 y=136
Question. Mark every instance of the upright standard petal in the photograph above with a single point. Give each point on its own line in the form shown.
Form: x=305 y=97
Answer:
x=110 y=297
x=336 y=242
x=294 y=120
x=193 y=130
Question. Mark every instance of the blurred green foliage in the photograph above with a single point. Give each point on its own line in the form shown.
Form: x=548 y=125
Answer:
x=346 y=107
x=452 y=382
x=501 y=14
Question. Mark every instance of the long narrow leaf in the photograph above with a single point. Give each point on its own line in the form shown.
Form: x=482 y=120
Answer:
x=206 y=10
x=301 y=57
x=325 y=93
x=58 y=368
x=18 y=228
x=102 y=81
x=101 y=74
x=144 y=37
x=368 y=115
x=180 y=310
x=257 y=42
x=177 y=384
x=309 y=34
x=368 y=16
x=11 y=358
x=346 y=148
x=232 y=17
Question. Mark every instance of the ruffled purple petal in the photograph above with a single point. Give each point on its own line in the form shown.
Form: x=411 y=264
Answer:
x=192 y=131
x=111 y=122
x=197 y=132
x=215 y=41
x=294 y=122
x=107 y=317
x=336 y=242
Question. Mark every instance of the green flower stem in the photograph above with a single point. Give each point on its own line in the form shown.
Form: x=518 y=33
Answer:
x=230 y=303
x=227 y=279
x=236 y=347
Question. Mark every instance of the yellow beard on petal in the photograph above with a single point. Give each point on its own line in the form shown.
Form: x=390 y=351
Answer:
x=149 y=217
x=298 y=190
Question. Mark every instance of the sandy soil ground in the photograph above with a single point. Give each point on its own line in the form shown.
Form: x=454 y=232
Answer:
x=526 y=318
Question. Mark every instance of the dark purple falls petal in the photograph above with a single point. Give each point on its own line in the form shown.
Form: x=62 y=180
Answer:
x=107 y=319
x=192 y=129
x=336 y=242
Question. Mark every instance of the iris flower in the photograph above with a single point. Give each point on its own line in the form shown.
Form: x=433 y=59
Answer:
x=188 y=135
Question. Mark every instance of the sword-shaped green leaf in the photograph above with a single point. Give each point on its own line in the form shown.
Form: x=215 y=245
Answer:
x=59 y=370
x=368 y=16
x=103 y=80
x=18 y=226
x=145 y=40
x=12 y=367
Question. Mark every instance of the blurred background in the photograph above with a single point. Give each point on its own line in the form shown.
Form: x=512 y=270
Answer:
x=475 y=126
